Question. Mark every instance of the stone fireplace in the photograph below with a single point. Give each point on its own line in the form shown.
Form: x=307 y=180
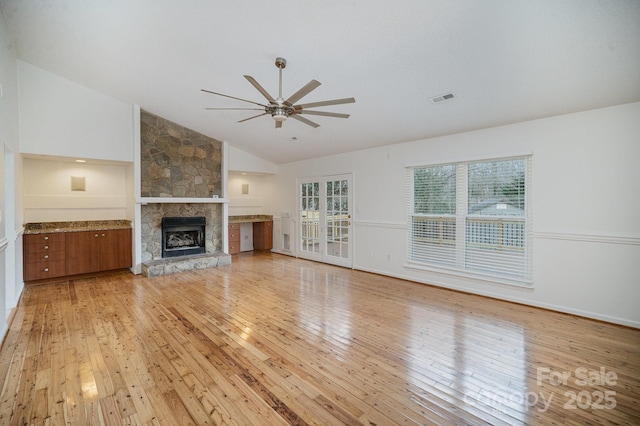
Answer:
x=153 y=214
x=178 y=163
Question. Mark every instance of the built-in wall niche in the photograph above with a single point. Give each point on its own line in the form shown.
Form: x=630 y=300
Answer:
x=245 y=193
x=54 y=190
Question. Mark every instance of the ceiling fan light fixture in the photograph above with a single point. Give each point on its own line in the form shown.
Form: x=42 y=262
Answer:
x=279 y=114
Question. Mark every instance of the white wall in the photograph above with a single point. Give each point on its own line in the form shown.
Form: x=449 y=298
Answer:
x=241 y=161
x=586 y=208
x=10 y=189
x=61 y=118
x=48 y=196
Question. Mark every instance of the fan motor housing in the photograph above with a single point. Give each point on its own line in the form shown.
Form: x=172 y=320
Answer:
x=281 y=62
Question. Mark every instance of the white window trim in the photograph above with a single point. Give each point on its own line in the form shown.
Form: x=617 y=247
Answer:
x=461 y=216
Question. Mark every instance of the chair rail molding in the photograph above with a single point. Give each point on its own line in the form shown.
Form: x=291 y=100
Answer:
x=628 y=239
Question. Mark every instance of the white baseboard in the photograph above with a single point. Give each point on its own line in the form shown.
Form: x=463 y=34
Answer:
x=552 y=307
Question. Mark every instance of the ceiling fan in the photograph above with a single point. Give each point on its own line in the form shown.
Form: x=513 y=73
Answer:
x=281 y=109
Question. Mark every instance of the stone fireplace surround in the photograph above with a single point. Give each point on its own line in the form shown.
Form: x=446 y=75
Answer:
x=175 y=163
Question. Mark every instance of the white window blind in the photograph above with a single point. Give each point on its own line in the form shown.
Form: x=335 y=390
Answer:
x=473 y=217
x=433 y=218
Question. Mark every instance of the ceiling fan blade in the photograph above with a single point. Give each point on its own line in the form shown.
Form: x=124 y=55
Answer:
x=260 y=89
x=232 y=97
x=305 y=121
x=304 y=91
x=255 y=116
x=278 y=124
x=236 y=109
x=326 y=114
x=325 y=103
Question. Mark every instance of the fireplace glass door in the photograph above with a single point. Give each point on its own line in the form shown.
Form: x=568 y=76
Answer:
x=183 y=236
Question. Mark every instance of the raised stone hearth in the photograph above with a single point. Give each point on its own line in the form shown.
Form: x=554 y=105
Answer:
x=175 y=265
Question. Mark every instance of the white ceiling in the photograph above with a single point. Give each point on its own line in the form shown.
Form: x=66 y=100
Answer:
x=505 y=61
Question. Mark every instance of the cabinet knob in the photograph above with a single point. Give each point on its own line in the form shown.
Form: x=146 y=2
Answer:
x=96 y=235
x=46 y=269
x=103 y=235
x=46 y=238
x=46 y=256
x=46 y=247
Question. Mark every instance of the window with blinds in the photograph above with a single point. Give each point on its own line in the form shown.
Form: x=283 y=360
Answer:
x=472 y=217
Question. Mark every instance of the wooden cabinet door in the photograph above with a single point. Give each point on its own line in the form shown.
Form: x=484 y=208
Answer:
x=115 y=249
x=94 y=251
x=82 y=252
x=263 y=235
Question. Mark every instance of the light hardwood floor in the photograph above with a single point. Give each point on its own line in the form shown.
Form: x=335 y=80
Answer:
x=275 y=340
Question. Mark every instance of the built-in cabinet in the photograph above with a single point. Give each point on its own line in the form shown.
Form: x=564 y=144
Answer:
x=262 y=234
x=58 y=254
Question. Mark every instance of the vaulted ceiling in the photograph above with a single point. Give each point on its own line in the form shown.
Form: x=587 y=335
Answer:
x=504 y=61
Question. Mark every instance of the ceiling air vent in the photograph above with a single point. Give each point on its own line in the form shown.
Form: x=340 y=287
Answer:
x=442 y=98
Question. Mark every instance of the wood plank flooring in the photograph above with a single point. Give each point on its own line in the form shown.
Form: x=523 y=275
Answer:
x=273 y=340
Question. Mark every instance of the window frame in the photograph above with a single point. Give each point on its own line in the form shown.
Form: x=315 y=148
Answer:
x=461 y=263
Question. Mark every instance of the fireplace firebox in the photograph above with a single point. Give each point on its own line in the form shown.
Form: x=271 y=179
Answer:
x=182 y=236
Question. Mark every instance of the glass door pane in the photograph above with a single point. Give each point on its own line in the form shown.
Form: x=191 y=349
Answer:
x=338 y=218
x=310 y=217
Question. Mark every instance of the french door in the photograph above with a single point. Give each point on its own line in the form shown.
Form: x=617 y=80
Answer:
x=326 y=220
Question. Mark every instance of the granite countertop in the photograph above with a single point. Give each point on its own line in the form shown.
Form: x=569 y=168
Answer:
x=246 y=218
x=75 y=226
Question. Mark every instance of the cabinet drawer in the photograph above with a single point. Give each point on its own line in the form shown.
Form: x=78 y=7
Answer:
x=234 y=248
x=234 y=236
x=45 y=256
x=43 y=247
x=55 y=237
x=42 y=270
